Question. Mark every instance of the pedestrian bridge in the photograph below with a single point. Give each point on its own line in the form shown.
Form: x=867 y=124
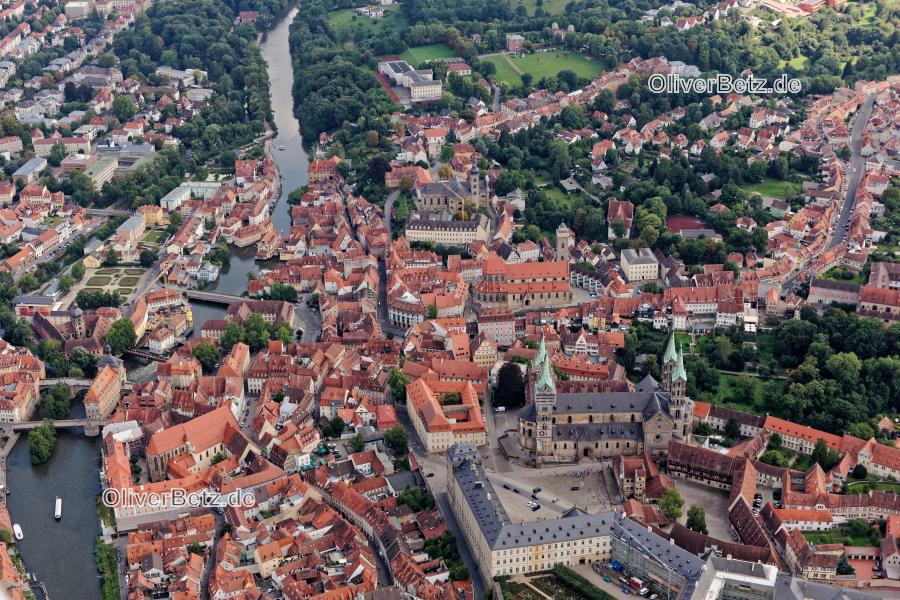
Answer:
x=74 y=383
x=211 y=297
x=91 y=427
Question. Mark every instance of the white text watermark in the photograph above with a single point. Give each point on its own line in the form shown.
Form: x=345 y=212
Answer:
x=722 y=84
x=175 y=498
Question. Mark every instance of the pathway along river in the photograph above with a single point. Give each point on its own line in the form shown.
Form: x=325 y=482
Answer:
x=61 y=553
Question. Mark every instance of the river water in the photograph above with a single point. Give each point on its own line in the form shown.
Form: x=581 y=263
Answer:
x=61 y=553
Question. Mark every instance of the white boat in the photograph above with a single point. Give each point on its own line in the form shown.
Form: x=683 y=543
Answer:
x=57 y=514
x=281 y=147
x=17 y=531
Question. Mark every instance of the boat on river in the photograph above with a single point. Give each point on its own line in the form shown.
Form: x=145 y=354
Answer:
x=57 y=513
x=17 y=531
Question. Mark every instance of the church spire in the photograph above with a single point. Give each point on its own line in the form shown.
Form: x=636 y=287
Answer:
x=546 y=379
x=679 y=372
x=542 y=352
x=671 y=355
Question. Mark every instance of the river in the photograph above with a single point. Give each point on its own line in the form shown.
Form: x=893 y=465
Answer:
x=292 y=164
x=61 y=553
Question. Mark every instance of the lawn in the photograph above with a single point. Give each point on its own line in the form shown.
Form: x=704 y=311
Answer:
x=505 y=70
x=543 y=64
x=417 y=55
x=154 y=237
x=99 y=280
x=125 y=291
x=134 y=272
x=345 y=23
x=725 y=394
x=551 y=7
x=802 y=463
x=771 y=188
x=798 y=62
x=107 y=271
x=844 y=275
x=837 y=536
x=129 y=281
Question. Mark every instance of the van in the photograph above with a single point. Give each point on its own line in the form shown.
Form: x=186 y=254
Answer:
x=643 y=591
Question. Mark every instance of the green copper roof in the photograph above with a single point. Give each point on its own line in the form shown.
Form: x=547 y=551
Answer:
x=546 y=379
x=679 y=372
x=541 y=354
x=671 y=355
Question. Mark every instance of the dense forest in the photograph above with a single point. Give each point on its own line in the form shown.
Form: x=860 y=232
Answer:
x=333 y=83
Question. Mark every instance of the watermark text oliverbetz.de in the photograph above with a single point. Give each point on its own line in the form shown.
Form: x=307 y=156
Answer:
x=175 y=498
x=721 y=84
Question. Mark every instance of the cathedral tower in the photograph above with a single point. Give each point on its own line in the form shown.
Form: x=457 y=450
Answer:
x=668 y=363
x=544 y=401
x=680 y=405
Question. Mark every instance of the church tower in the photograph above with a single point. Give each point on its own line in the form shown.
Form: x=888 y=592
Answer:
x=475 y=185
x=680 y=405
x=668 y=363
x=564 y=240
x=544 y=401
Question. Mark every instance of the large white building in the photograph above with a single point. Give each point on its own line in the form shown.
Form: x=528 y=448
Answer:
x=420 y=83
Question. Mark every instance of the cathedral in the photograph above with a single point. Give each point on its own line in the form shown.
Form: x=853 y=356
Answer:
x=560 y=425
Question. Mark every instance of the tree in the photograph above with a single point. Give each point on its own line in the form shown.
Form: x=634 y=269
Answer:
x=256 y=332
x=57 y=154
x=281 y=291
x=397 y=440
x=774 y=457
x=357 y=443
x=65 y=283
x=825 y=456
x=696 y=519
x=670 y=503
x=859 y=471
x=147 y=258
x=284 y=332
x=416 y=499
x=28 y=283
x=121 y=336
x=397 y=381
x=774 y=441
x=207 y=354
x=733 y=429
x=863 y=431
x=232 y=335
x=41 y=442
x=844 y=567
x=56 y=402
x=510 y=392
x=124 y=108
x=334 y=428
x=78 y=270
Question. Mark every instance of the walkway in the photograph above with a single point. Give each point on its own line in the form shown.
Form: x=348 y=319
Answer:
x=59 y=424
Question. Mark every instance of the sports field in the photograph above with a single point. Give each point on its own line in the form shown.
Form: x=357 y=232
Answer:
x=543 y=64
x=417 y=55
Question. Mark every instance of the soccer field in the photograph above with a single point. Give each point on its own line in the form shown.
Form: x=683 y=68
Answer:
x=543 y=64
x=421 y=54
